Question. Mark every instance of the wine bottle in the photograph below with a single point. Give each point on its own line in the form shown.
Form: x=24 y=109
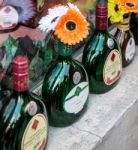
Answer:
x=134 y=26
x=23 y=119
x=126 y=40
x=65 y=88
x=101 y=56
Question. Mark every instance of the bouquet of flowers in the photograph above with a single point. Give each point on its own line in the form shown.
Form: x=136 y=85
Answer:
x=67 y=24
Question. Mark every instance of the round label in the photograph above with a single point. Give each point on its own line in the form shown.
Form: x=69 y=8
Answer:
x=76 y=98
x=110 y=43
x=76 y=77
x=130 y=50
x=35 y=135
x=112 y=68
x=8 y=18
x=32 y=108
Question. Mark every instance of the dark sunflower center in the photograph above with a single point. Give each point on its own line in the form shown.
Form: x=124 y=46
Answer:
x=130 y=4
x=71 y=25
x=116 y=8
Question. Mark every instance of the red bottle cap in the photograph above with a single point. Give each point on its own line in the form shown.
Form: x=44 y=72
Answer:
x=20 y=65
x=20 y=73
x=101 y=16
x=101 y=9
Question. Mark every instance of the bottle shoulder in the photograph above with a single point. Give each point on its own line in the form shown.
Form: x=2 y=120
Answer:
x=17 y=116
x=97 y=51
x=18 y=106
x=101 y=41
x=62 y=75
x=123 y=35
x=63 y=66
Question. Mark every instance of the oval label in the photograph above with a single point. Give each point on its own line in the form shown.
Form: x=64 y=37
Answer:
x=112 y=68
x=35 y=134
x=76 y=77
x=76 y=99
x=110 y=43
x=130 y=50
x=31 y=108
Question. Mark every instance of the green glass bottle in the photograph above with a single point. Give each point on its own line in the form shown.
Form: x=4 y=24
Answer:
x=23 y=118
x=65 y=88
x=126 y=40
x=101 y=56
x=134 y=26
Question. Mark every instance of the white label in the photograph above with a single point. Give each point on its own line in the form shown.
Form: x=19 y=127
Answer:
x=130 y=50
x=76 y=77
x=35 y=135
x=8 y=18
x=110 y=43
x=77 y=97
x=112 y=68
x=31 y=108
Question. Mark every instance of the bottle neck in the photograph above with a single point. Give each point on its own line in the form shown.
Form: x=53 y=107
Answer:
x=101 y=22
x=64 y=50
x=101 y=15
x=124 y=26
x=20 y=82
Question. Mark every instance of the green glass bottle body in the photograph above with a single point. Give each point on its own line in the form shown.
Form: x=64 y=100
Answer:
x=65 y=89
x=23 y=118
x=101 y=56
x=133 y=26
x=126 y=41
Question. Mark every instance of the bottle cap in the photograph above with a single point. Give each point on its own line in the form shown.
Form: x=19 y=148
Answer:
x=20 y=65
x=20 y=73
x=101 y=16
x=101 y=9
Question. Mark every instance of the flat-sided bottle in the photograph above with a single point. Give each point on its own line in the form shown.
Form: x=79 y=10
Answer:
x=102 y=55
x=126 y=41
x=65 y=88
x=23 y=118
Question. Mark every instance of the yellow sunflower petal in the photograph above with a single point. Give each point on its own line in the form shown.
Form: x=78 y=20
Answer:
x=115 y=12
x=78 y=30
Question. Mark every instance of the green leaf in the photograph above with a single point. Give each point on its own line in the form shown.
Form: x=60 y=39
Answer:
x=11 y=46
x=45 y=48
x=48 y=56
x=35 y=66
x=34 y=60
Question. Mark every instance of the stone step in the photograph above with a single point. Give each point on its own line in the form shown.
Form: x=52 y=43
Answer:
x=110 y=122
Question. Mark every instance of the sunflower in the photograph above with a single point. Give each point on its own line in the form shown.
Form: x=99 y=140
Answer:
x=72 y=6
x=49 y=22
x=72 y=27
x=115 y=12
x=129 y=5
